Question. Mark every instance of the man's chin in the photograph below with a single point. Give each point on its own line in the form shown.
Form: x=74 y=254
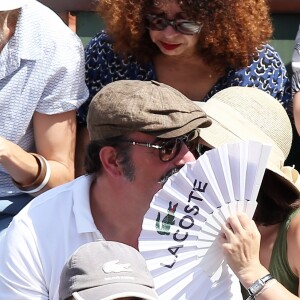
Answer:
x=165 y=178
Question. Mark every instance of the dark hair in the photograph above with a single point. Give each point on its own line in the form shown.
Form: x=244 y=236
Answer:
x=92 y=160
x=232 y=30
x=276 y=200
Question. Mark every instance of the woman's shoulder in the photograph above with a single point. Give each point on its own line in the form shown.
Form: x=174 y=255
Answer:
x=100 y=42
x=268 y=54
x=103 y=62
x=294 y=222
x=266 y=72
x=293 y=243
x=100 y=57
x=267 y=59
x=266 y=64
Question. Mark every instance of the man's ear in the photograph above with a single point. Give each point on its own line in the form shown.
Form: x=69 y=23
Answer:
x=108 y=157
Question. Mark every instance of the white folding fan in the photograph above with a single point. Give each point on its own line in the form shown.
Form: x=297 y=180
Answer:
x=179 y=237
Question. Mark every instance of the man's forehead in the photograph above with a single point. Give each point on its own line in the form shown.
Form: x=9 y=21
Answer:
x=141 y=135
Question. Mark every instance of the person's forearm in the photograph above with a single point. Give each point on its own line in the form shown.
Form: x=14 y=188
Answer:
x=273 y=290
x=241 y=245
x=20 y=165
x=24 y=168
x=296 y=110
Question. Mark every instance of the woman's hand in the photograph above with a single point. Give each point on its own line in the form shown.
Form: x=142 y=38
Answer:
x=241 y=244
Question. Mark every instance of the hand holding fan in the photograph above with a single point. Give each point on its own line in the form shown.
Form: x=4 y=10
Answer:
x=179 y=235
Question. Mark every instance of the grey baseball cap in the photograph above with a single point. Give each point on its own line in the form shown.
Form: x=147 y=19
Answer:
x=11 y=4
x=151 y=107
x=106 y=270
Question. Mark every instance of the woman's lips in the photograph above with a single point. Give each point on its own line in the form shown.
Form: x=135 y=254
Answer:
x=169 y=46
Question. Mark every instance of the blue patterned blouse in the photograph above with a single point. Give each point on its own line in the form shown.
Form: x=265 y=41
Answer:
x=103 y=66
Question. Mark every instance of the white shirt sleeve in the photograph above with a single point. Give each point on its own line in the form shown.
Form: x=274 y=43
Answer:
x=21 y=268
x=296 y=54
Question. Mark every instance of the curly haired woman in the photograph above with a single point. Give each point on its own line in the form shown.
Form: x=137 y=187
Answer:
x=197 y=47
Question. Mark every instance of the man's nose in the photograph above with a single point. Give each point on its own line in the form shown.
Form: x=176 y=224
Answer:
x=184 y=156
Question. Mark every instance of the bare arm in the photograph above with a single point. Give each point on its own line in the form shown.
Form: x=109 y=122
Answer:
x=293 y=241
x=296 y=81
x=296 y=111
x=241 y=244
x=55 y=140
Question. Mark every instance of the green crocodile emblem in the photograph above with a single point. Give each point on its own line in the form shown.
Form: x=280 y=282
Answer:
x=163 y=227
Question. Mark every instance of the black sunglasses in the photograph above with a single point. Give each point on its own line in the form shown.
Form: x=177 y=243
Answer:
x=158 y=22
x=169 y=148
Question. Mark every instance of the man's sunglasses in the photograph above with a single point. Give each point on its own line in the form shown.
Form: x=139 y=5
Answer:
x=158 y=22
x=169 y=148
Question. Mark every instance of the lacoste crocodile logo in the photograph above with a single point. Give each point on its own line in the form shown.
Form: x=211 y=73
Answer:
x=114 y=266
x=163 y=227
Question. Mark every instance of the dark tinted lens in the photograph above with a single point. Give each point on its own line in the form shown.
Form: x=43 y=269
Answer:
x=170 y=149
x=203 y=149
x=188 y=27
x=155 y=22
x=192 y=142
x=158 y=23
x=195 y=147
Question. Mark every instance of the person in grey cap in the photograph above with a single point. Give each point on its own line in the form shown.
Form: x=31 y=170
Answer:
x=106 y=270
x=141 y=132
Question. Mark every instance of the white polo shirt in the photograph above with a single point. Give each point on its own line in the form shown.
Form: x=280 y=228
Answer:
x=41 y=238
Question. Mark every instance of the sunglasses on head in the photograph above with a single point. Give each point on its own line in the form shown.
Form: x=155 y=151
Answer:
x=170 y=148
x=158 y=22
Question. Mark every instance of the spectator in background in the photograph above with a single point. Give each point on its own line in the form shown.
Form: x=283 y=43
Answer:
x=296 y=81
x=197 y=47
x=41 y=86
x=271 y=245
x=106 y=270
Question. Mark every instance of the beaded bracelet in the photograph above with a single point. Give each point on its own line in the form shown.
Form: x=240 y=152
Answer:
x=44 y=173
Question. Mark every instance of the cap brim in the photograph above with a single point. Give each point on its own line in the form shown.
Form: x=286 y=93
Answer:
x=172 y=133
x=120 y=290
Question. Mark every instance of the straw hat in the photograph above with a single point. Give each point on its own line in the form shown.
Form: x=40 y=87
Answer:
x=247 y=113
x=11 y=4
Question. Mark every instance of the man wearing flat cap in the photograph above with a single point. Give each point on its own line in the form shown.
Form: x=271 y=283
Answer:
x=141 y=132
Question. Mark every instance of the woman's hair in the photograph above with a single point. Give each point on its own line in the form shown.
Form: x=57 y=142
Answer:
x=232 y=30
x=92 y=159
x=276 y=200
